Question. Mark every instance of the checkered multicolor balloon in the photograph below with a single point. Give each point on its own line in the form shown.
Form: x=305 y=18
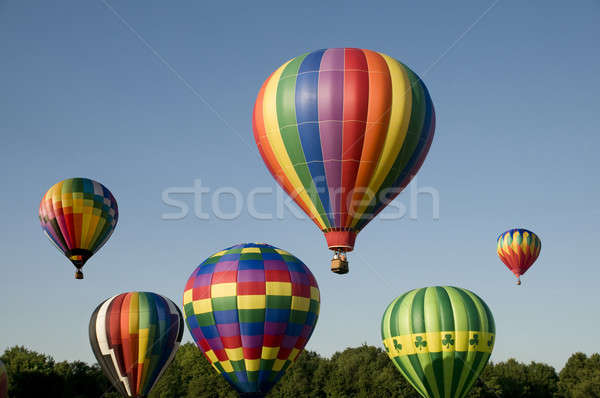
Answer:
x=251 y=308
x=78 y=215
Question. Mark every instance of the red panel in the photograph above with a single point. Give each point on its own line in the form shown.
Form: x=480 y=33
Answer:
x=272 y=341
x=232 y=342
x=201 y=292
x=356 y=105
x=252 y=353
x=277 y=275
x=224 y=277
x=300 y=290
x=246 y=288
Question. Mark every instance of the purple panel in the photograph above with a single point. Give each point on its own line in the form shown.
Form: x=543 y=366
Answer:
x=275 y=328
x=228 y=329
x=289 y=341
x=331 y=116
x=222 y=266
x=252 y=341
x=306 y=331
x=202 y=280
x=215 y=343
x=272 y=265
x=251 y=275
x=299 y=278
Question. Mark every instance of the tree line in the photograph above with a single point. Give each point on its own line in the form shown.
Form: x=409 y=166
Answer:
x=362 y=372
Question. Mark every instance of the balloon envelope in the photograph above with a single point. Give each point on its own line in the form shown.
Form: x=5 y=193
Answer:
x=343 y=131
x=134 y=337
x=518 y=249
x=251 y=308
x=3 y=381
x=440 y=338
x=78 y=215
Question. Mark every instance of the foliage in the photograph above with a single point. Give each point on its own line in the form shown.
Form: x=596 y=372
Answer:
x=355 y=372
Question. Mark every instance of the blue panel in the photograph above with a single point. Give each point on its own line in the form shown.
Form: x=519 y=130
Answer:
x=228 y=316
x=252 y=329
x=307 y=118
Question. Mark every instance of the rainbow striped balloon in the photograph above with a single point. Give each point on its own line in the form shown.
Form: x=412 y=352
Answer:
x=134 y=337
x=518 y=249
x=251 y=308
x=343 y=131
x=440 y=338
x=3 y=381
x=78 y=215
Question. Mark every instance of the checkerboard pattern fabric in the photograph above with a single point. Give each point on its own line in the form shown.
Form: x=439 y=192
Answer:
x=251 y=309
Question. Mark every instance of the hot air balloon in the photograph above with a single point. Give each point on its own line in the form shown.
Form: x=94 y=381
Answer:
x=440 y=338
x=251 y=308
x=343 y=131
x=3 y=381
x=518 y=248
x=134 y=337
x=78 y=215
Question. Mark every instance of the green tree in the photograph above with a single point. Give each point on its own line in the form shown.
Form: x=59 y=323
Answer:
x=580 y=378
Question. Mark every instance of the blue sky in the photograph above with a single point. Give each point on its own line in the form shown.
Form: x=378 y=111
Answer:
x=155 y=95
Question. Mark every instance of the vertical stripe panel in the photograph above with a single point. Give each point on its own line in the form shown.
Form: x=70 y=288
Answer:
x=275 y=140
x=356 y=104
x=266 y=152
x=307 y=118
x=331 y=115
x=401 y=106
x=378 y=117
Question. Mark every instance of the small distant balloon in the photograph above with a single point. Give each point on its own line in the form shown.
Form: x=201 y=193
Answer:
x=251 y=309
x=518 y=249
x=134 y=337
x=78 y=215
x=440 y=338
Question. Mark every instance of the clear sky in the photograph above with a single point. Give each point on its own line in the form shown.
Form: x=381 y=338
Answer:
x=148 y=95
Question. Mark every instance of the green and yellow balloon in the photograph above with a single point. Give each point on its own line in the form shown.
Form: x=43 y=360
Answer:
x=440 y=338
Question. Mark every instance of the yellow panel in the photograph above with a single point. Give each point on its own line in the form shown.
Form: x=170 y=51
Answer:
x=283 y=252
x=405 y=345
x=293 y=354
x=400 y=112
x=252 y=365
x=434 y=342
x=223 y=290
x=211 y=355
x=314 y=293
x=274 y=139
x=187 y=296
x=279 y=288
x=251 y=302
x=235 y=354
x=300 y=303
x=219 y=253
x=202 y=306
x=134 y=321
x=143 y=344
x=269 y=352
x=278 y=365
x=251 y=250
x=227 y=366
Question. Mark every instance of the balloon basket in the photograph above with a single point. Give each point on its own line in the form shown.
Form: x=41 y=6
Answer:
x=339 y=266
x=78 y=274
